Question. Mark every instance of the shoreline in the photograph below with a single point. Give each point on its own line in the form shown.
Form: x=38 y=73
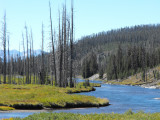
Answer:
x=148 y=85
x=46 y=109
x=53 y=109
x=145 y=85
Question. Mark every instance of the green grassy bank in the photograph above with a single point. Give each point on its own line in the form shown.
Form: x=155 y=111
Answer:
x=47 y=96
x=129 y=115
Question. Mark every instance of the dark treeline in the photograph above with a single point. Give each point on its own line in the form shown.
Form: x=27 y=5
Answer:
x=89 y=65
x=109 y=41
x=54 y=67
x=131 y=61
x=122 y=52
x=148 y=34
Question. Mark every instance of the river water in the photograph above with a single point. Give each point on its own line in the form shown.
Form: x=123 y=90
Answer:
x=121 y=97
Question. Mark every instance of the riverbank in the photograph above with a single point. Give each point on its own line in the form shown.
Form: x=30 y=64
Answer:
x=94 y=77
x=104 y=116
x=133 y=81
x=152 y=79
x=37 y=97
x=122 y=98
x=150 y=85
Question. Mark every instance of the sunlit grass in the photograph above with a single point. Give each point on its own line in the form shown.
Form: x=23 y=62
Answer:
x=40 y=96
x=5 y=108
x=129 y=115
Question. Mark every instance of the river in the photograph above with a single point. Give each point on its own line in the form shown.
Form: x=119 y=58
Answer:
x=121 y=97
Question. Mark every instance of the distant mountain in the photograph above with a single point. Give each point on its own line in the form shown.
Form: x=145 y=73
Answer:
x=16 y=52
x=12 y=52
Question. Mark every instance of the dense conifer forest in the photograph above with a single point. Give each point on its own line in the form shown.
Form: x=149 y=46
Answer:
x=120 y=53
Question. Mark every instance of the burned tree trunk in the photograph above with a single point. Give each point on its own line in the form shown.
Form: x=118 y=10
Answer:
x=33 y=59
x=30 y=62
x=9 y=66
x=24 y=66
x=59 y=56
x=65 y=50
x=53 y=49
x=27 y=70
x=71 y=49
x=42 y=72
x=4 y=48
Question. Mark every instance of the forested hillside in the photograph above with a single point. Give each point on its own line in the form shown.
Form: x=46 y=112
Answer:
x=121 y=52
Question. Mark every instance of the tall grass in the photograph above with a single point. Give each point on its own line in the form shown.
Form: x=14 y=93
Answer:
x=42 y=96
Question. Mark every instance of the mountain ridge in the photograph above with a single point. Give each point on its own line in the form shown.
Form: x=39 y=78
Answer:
x=15 y=52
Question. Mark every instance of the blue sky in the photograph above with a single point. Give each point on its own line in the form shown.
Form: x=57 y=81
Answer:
x=91 y=16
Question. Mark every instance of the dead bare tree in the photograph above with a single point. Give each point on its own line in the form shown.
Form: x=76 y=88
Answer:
x=12 y=69
x=33 y=59
x=24 y=66
x=59 y=56
x=42 y=72
x=67 y=53
x=64 y=53
x=51 y=66
x=37 y=69
x=27 y=68
x=19 y=64
x=9 y=76
x=30 y=60
x=4 y=48
x=65 y=49
x=71 y=47
x=53 y=48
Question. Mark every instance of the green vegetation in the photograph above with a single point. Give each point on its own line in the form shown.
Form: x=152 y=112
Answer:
x=47 y=96
x=5 y=108
x=129 y=115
